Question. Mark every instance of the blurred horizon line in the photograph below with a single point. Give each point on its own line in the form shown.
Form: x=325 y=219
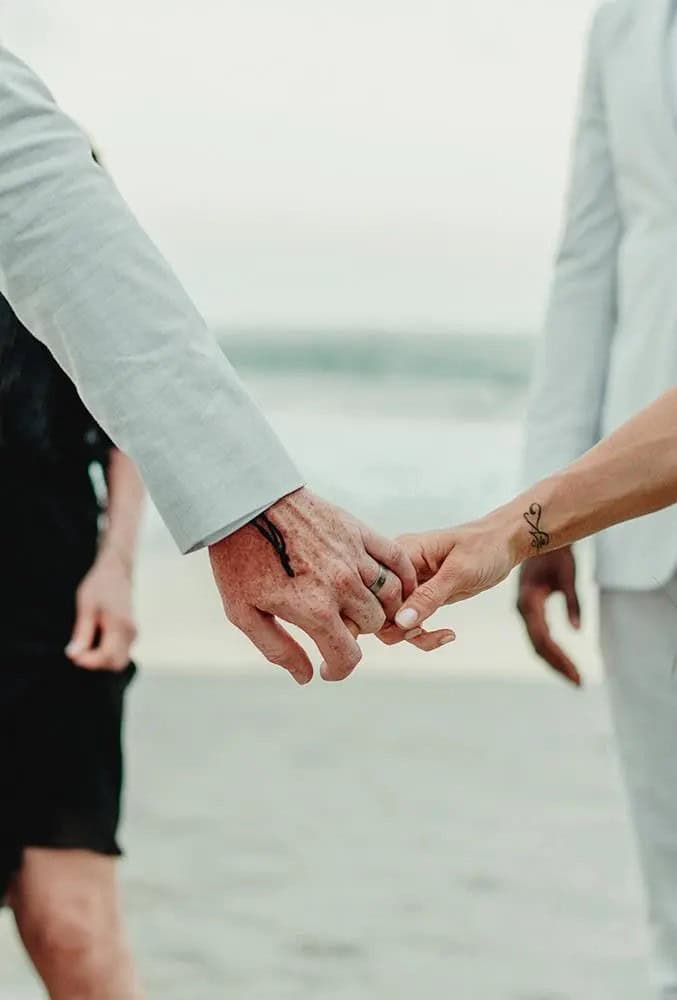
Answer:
x=371 y=352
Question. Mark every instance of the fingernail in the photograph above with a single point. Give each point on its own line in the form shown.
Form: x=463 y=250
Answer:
x=446 y=640
x=72 y=648
x=414 y=633
x=406 y=618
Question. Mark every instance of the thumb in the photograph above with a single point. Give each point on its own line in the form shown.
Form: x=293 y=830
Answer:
x=425 y=600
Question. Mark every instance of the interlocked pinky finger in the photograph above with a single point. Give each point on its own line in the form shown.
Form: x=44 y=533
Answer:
x=427 y=642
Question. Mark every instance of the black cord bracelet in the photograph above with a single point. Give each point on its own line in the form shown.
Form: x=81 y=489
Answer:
x=273 y=535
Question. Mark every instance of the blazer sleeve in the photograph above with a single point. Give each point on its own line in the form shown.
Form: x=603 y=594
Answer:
x=85 y=279
x=571 y=368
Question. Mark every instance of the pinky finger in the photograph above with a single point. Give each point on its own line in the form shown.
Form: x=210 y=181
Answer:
x=352 y=627
x=354 y=631
x=428 y=642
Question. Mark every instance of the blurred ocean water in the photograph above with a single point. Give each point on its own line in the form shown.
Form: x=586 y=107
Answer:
x=499 y=359
x=407 y=431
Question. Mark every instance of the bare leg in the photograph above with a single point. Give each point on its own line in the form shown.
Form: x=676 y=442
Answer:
x=67 y=910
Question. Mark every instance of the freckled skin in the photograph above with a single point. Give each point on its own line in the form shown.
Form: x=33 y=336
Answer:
x=335 y=559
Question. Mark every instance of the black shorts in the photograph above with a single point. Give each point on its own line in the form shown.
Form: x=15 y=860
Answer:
x=61 y=765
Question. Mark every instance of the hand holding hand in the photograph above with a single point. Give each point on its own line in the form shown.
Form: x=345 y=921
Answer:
x=335 y=560
x=453 y=565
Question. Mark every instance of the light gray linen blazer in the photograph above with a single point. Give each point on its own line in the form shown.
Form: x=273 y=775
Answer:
x=610 y=343
x=85 y=279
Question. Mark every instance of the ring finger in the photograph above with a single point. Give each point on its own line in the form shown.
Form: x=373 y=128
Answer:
x=390 y=593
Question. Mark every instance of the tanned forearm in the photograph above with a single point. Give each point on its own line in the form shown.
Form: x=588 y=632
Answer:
x=630 y=473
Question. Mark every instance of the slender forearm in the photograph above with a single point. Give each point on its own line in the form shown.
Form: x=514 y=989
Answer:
x=631 y=473
x=126 y=494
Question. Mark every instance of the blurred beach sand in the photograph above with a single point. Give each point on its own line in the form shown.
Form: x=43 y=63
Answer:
x=450 y=826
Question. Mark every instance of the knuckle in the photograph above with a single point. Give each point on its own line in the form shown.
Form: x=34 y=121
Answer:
x=276 y=657
x=379 y=619
x=525 y=603
x=341 y=664
x=402 y=560
x=344 y=579
x=427 y=594
x=234 y=616
x=128 y=625
x=350 y=661
x=324 y=616
x=393 y=553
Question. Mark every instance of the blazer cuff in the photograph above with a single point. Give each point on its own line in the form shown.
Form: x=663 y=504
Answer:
x=225 y=506
x=232 y=527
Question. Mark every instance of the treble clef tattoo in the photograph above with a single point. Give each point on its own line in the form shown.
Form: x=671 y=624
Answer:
x=539 y=538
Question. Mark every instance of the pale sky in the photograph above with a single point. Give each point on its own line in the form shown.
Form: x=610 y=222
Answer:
x=390 y=163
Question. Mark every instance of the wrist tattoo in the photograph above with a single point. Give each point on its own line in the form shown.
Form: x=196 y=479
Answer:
x=272 y=534
x=539 y=537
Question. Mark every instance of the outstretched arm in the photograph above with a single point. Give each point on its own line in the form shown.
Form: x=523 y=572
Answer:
x=630 y=473
x=86 y=280
x=573 y=359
